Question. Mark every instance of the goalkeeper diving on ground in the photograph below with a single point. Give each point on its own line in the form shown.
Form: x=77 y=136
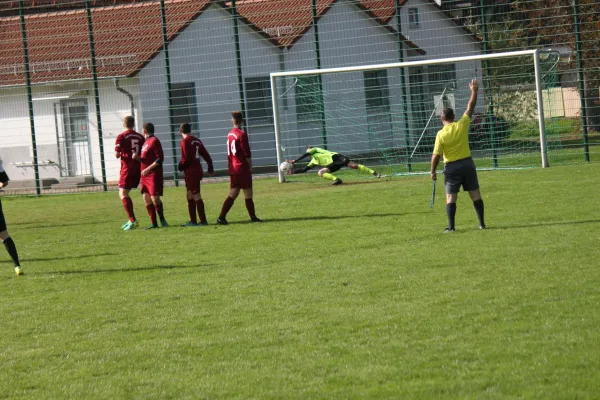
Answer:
x=329 y=162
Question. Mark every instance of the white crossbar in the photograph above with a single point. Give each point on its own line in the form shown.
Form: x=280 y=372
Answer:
x=405 y=64
x=534 y=53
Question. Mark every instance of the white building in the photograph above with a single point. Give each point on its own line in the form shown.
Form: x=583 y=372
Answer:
x=205 y=78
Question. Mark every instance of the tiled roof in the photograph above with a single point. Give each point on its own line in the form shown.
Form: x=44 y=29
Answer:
x=11 y=7
x=287 y=20
x=382 y=9
x=128 y=36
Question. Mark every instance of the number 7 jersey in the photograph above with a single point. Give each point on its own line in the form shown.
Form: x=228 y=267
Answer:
x=191 y=151
x=238 y=152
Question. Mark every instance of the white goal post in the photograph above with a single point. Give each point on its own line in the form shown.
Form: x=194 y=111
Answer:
x=276 y=95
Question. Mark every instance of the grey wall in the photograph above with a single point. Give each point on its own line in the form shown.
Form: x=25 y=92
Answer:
x=15 y=137
x=211 y=66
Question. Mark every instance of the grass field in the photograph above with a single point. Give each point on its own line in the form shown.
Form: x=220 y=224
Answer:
x=344 y=292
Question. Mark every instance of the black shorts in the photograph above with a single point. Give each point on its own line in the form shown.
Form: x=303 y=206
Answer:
x=460 y=173
x=339 y=161
x=2 y=220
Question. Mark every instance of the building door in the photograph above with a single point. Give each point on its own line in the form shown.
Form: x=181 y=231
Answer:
x=73 y=138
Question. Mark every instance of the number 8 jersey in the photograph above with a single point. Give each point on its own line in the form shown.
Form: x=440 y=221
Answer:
x=238 y=152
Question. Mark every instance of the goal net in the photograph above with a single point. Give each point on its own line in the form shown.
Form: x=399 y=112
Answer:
x=387 y=116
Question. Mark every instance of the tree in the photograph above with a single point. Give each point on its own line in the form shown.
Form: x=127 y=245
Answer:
x=522 y=24
x=552 y=23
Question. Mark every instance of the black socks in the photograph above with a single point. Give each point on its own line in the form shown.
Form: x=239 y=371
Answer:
x=478 y=204
x=12 y=251
x=451 y=211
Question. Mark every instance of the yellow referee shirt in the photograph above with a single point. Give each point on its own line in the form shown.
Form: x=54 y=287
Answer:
x=453 y=140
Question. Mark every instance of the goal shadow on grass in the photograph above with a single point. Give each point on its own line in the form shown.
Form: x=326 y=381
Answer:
x=119 y=270
x=534 y=225
x=346 y=181
x=43 y=259
x=45 y=225
x=332 y=217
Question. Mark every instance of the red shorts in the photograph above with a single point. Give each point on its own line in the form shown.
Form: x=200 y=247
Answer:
x=152 y=184
x=241 y=181
x=192 y=183
x=129 y=181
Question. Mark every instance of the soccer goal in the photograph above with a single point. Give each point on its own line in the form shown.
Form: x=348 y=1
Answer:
x=387 y=115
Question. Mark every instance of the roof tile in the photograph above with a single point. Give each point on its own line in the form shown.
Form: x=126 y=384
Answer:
x=128 y=36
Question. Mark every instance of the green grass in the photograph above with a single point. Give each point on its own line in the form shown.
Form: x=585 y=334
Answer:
x=555 y=127
x=345 y=292
x=513 y=154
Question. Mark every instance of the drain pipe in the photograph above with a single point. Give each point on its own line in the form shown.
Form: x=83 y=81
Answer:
x=126 y=93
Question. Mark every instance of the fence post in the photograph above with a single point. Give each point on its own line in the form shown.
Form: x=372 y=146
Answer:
x=96 y=92
x=238 y=60
x=29 y=96
x=577 y=23
x=315 y=25
x=403 y=84
x=165 y=45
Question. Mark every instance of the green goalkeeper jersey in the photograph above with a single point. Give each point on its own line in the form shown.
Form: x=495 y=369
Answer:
x=320 y=157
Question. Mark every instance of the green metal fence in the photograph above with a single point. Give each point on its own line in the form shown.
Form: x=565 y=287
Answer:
x=70 y=71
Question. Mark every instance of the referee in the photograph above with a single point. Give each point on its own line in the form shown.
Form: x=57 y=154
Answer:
x=453 y=142
x=6 y=239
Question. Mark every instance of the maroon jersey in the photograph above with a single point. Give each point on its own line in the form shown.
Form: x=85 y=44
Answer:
x=238 y=152
x=151 y=152
x=191 y=151
x=127 y=143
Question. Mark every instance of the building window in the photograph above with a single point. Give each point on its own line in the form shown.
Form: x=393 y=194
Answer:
x=413 y=18
x=258 y=100
x=183 y=103
x=308 y=98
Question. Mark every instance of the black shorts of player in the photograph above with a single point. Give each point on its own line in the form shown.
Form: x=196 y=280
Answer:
x=2 y=220
x=460 y=173
x=339 y=161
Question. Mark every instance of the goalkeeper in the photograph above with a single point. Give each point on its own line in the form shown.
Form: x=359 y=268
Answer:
x=329 y=162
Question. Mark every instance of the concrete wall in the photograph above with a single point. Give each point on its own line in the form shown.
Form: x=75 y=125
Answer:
x=259 y=58
x=203 y=54
x=297 y=134
x=348 y=128
x=440 y=37
x=16 y=149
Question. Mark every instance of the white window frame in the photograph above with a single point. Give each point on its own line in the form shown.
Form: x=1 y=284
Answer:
x=413 y=17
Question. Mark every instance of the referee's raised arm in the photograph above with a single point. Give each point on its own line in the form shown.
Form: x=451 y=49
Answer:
x=452 y=142
x=474 y=86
